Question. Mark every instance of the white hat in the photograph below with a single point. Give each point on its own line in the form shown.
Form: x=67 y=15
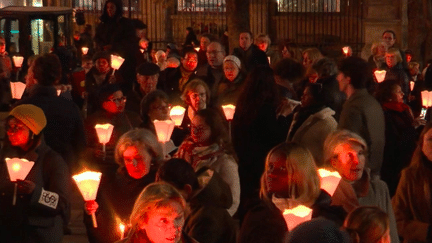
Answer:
x=233 y=59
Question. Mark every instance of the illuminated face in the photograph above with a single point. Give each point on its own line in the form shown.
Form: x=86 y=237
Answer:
x=137 y=162
x=2 y=46
x=143 y=44
x=17 y=132
x=231 y=70
x=245 y=41
x=198 y=98
x=115 y=103
x=391 y=60
x=408 y=57
x=276 y=175
x=102 y=65
x=389 y=39
x=349 y=161
x=111 y=9
x=398 y=94
x=343 y=81
x=190 y=61
x=307 y=62
x=215 y=55
x=204 y=42
x=165 y=224
x=200 y=131
x=159 y=110
x=262 y=46
x=147 y=83
x=427 y=144
x=307 y=98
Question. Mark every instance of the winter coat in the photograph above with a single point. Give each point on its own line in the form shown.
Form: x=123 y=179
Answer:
x=313 y=132
x=363 y=115
x=228 y=92
x=36 y=217
x=213 y=157
x=251 y=58
x=398 y=75
x=116 y=198
x=265 y=223
x=169 y=81
x=208 y=220
x=211 y=76
x=333 y=97
x=412 y=203
x=368 y=191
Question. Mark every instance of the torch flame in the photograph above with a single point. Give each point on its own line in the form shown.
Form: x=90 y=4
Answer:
x=380 y=75
x=88 y=184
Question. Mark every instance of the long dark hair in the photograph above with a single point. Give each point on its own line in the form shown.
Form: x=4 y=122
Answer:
x=418 y=154
x=260 y=88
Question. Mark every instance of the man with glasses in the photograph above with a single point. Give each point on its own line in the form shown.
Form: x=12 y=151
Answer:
x=212 y=73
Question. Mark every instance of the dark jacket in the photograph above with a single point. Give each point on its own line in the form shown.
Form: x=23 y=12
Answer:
x=398 y=75
x=228 y=92
x=64 y=132
x=209 y=221
x=116 y=198
x=333 y=97
x=251 y=58
x=169 y=82
x=36 y=217
x=211 y=76
x=265 y=223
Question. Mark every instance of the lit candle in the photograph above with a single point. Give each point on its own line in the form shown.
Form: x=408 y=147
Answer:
x=104 y=132
x=345 y=50
x=426 y=98
x=412 y=83
x=84 y=50
x=197 y=49
x=296 y=216
x=116 y=62
x=18 y=61
x=88 y=184
x=164 y=130
x=380 y=75
x=122 y=230
x=177 y=114
x=17 y=89
x=18 y=170
x=142 y=50
x=329 y=180
x=229 y=111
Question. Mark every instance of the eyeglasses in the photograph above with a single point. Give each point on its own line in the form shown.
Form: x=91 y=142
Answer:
x=118 y=100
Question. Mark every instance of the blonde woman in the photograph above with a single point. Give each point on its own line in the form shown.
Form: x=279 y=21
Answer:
x=368 y=225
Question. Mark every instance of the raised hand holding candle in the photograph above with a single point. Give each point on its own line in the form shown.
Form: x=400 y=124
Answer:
x=17 y=89
x=116 y=62
x=329 y=180
x=88 y=184
x=177 y=114
x=296 y=216
x=18 y=170
x=380 y=75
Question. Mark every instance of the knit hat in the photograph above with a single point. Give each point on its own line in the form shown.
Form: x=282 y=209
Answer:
x=32 y=116
x=148 y=69
x=318 y=230
x=233 y=59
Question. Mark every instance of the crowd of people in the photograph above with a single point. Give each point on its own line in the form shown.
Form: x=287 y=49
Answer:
x=219 y=181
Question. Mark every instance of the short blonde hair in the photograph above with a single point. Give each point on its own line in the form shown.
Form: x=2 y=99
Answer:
x=340 y=137
x=395 y=52
x=154 y=196
x=142 y=139
x=375 y=45
x=263 y=38
x=314 y=54
x=303 y=177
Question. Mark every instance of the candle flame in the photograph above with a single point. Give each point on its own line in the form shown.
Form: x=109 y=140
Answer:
x=327 y=173
x=345 y=49
x=116 y=61
x=18 y=168
x=88 y=184
x=104 y=132
x=380 y=75
x=177 y=114
x=229 y=111
x=122 y=227
x=299 y=211
x=84 y=50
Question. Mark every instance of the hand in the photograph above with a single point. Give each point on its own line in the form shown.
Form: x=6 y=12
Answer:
x=108 y=155
x=25 y=186
x=91 y=207
x=419 y=121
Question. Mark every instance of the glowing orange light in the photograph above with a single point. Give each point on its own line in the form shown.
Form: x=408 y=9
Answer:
x=164 y=130
x=104 y=132
x=142 y=50
x=229 y=111
x=412 y=83
x=345 y=49
x=426 y=98
x=329 y=180
x=88 y=184
x=18 y=168
x=197 y=49
x=17 y=89
x=18 y=61
x=177 y=114
x=380 y=75
x=84 y=50
x=122 y=228
x=296 y=216
x=116 y=61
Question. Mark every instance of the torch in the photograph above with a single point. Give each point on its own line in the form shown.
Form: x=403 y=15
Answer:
x=104 y=132
x=164 y=130
x=18 y=61
x=88 y=184
x=177 y=114
x=18 y=170
x=116 y=62
x=329 y=180
x=296 y=216
x=229 y=111
x=17 y=89
x=380 y=75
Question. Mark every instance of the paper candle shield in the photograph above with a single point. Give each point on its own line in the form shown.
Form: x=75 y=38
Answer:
x=177 y=113
x=229 y=111
x=380 y=75
x=18 y=168
x=17 y=89
x=88 y=184
x=18 y=61
x=426 y=98
x=296 y=216
x=412 y=83
x=116 y=62
x=164 y=130
x=84 y=50
x=104 y=132
x=345 y=49
x=329 y=180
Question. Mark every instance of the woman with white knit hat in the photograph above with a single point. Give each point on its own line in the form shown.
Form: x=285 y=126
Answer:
x=229 y=87
x=36 y=213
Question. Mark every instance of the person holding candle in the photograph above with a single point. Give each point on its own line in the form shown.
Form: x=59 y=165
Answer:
x=347 y=152
x=395 y=70
x=310 y=57
x=209 y=145
x=290 y=179
x=158 y=216
x=138 y=155
x=377 y=59
x=368 y=224
x=231 y=85
x=43 y=197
